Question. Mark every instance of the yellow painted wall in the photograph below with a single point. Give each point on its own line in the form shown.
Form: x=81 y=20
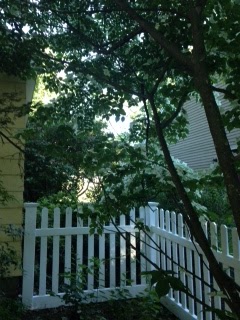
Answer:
x=12 y=162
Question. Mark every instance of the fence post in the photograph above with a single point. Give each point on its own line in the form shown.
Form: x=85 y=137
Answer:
x=29 y=253
x=151 y=221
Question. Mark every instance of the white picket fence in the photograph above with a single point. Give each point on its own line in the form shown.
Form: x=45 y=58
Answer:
x=56 y=249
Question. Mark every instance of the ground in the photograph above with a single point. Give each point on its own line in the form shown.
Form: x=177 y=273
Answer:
x=117 y=310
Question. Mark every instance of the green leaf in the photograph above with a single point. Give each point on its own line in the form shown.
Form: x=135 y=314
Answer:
x=176 y=284
x=162 y=287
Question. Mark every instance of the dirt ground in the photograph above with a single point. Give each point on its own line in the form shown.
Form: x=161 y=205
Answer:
x=102 y=311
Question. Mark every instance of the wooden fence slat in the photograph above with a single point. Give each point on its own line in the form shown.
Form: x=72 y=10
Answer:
x=206 y=272
x=182 y=261
x=122 y=252
x=215 y=247
x=236 y=253
x=90 y=276
x=79 y=250
x=143 y=249
x=151 y=237
x=162 y=241
x=189 y=265
x=225 y=253
x=168 y=247
x=133 y=243
x=43 y=254
x=102 y=258
x=175 y=252
x=29 y=253
x=112 y=257
x=68 y=249
x=55 y=259
x=198 y=284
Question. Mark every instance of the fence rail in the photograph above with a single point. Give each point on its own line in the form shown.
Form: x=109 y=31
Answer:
x=54 y=250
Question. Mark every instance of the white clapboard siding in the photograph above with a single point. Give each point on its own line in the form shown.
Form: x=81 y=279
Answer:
x=168 y=244
x=197 y=149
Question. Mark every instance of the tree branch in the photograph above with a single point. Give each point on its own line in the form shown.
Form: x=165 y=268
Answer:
x=147 y=114
x=227 y=93
x=121 y=42
x=167 y=122
x=160 y=78
x=171 y=48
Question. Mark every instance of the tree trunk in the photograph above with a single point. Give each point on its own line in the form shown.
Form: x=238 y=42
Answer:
x=226 y=284
x=203 y=86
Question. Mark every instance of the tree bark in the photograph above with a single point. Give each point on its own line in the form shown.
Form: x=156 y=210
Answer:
x=204 y=87
x=197 y=68
x=226 y=284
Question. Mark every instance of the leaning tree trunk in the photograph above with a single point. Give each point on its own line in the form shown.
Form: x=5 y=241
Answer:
x=225 y=283
x=196 y=68
x=203 y=86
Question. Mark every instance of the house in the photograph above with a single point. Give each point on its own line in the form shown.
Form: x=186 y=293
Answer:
x=13 y=93
x=197 y=149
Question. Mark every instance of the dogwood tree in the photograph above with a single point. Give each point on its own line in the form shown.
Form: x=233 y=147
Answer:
x=156 y=53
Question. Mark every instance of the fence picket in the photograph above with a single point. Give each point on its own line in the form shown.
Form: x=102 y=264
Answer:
x=143 y=249
x=133 y=243
x=206 y=272
x=189 y=265
x=123 y=251
x=162 y=241
x=90 y=275
x=55 y=260
x=175 y=252
x=225 y=253
x=43 y=254
x=178 y=253
x=79 y=250
x=215 y=247
x=68 y=249
x=236 y=253
x=168 y=247
x=182 y=261
x=112 y=257
x=198 y=284
x=152 y=238
x=102 y=259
